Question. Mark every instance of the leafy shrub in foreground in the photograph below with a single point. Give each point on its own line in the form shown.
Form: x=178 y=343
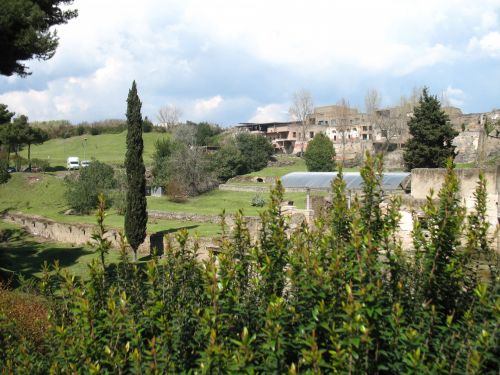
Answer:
x=340 y=297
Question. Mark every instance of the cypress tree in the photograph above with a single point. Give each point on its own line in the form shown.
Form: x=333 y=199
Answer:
x=136 y=216
x=431 y=135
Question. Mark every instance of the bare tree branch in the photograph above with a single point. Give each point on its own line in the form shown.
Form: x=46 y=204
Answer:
x=169 y=116
x=300 y=110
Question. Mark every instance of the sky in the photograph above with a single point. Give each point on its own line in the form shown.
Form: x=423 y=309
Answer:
x=231 y=61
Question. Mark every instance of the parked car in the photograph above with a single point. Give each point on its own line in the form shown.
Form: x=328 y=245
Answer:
x=11 y=169
x=84 y=163
x=73 y=162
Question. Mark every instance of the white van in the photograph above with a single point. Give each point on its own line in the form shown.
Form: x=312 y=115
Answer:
x=73 y=162
x=84 y=163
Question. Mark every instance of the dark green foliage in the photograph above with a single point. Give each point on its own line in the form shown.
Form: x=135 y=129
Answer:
x=13 y=136
x=255 y=149
x=228 y=162
x=206 y=134
x=431 y=135
x=147 y=125
x=34 y=136
x=164 y=149
x=320 y=154
x=136 y=216
x=25 y=31
x=4 y=175
x=5 y=114
x=83 y=187
x=338 y=297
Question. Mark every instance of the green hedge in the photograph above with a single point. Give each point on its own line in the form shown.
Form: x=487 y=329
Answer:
x=339 y=297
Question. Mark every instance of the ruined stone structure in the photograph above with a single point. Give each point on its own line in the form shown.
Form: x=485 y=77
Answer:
x=353 y=133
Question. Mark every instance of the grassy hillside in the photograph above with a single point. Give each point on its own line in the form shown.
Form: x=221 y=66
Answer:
x=108 y=148
x=43 y=194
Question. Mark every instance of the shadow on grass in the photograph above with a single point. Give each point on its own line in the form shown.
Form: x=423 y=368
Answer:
x=20 y=255
x=156 y=239
x=56 y=168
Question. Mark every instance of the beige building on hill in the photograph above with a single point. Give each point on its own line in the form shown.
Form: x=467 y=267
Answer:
x=353 y=132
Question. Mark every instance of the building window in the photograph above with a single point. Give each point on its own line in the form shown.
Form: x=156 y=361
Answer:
x=365 y=137
x=334 y=137
x=311 y=134
x=370 y=128
x=365 y=128
x=294 y=135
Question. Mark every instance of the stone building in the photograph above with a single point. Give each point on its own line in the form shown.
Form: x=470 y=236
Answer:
x=353 y=132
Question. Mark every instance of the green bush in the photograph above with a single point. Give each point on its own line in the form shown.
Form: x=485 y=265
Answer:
x=255 y=149
x=4 y=175
x=84 y=186
x=258 y=201
x=320 y=154
x=41 y=164
x=338 y=297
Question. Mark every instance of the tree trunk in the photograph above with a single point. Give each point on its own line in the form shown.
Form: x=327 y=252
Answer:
x=135 y=255
x=17 y=158
x=29 y=157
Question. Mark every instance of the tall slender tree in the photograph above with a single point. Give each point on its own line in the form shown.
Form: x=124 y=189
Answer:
x=136 y=216
x=431 y=135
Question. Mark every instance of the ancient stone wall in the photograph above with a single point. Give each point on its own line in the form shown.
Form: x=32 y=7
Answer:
x=80 y=234
x=243 y=188
x=423 y=179
x=466 y=146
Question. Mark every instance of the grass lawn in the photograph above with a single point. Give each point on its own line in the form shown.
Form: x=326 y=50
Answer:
x=298 y=166
x=43 y=194
x=22 y=254
x=107 y=148
x=215 y=201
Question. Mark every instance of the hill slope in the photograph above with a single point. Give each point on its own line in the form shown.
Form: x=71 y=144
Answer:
x=108 y=148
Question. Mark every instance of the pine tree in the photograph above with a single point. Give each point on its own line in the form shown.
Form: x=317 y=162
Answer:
x=431 y=135
x=136 y=216
x=320 y=154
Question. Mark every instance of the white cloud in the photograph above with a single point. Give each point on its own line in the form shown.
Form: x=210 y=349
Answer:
x=171 y=48
x=491 y=43
x=207 y=105
x=270 y=113
x=455 y=96
x=489 y=20
x=73 y=97
x=488 y=44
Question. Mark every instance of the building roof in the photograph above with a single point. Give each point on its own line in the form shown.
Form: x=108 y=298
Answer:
x=353 y=180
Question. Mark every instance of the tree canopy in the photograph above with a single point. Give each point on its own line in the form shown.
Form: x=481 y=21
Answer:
x=431 y=135
x=25 y=32
x=320 y=154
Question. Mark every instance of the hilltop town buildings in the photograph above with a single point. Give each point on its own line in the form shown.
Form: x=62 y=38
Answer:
x=353 y=132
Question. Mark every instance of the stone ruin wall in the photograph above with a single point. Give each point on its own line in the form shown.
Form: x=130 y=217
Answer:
x=80 y=234
x=425 y=179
